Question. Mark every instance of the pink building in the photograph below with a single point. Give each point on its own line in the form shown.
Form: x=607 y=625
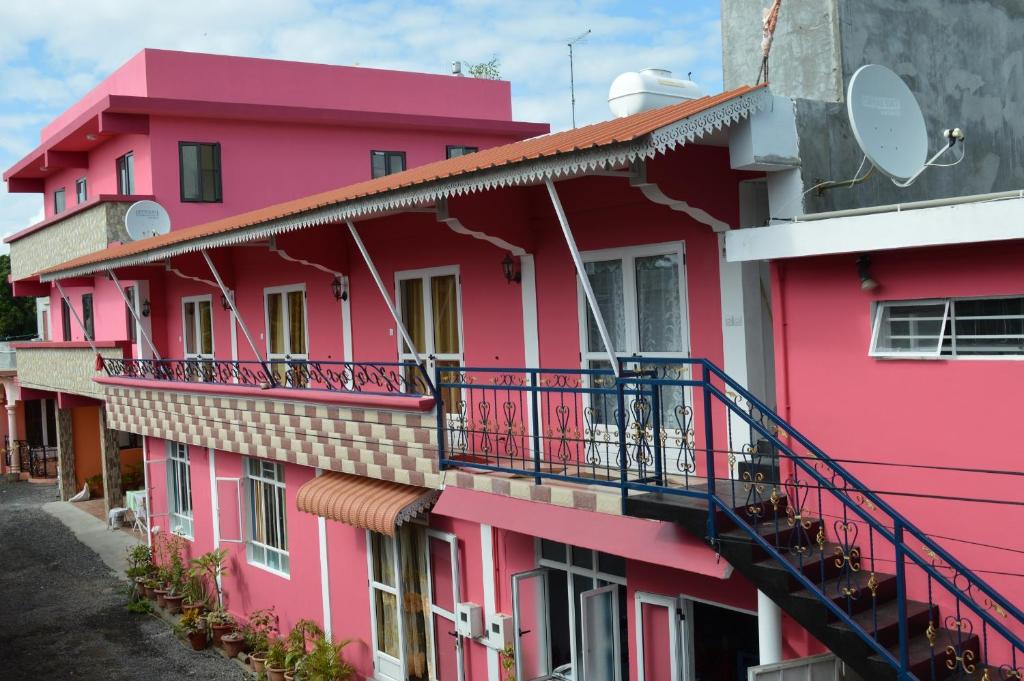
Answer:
x=206 y=137
x=515 y=407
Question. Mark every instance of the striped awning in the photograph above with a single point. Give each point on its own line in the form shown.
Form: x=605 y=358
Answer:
x=372 y=504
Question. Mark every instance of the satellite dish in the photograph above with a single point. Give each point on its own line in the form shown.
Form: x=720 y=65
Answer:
x=145 y=219
x=887 y=122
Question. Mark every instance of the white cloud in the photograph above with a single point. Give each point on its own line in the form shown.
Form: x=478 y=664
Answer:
x=50 y=55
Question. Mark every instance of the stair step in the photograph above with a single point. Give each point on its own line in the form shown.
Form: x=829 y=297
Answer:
x=861 y=598
x=809 y=563
x=691 y=512
x=882 y=622
x=780 y=535
x=920 y=652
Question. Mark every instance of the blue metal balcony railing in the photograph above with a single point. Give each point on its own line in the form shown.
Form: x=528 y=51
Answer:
x=683 y=427
x=367 y=378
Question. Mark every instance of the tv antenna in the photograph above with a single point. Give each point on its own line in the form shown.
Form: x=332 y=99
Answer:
x=889 y=126
x=572 y=79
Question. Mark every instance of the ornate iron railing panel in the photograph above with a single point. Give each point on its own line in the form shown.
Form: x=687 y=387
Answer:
x=682 y=426
x=369 y=378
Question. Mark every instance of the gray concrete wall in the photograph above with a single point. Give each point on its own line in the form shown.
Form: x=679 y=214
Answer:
x=963 y=59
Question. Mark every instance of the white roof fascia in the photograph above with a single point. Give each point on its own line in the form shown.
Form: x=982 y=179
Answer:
x=963 y=223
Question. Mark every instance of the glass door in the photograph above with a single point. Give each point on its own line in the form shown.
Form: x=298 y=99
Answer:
x=385 y=595
x=599 y=626
x=662 y=638
x=197 y=320
x=530 y=618
x=443 y=566
x=430 y=304
x=286 y=334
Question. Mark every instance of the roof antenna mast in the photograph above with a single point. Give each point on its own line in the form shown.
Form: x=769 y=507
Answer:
x=572 y=80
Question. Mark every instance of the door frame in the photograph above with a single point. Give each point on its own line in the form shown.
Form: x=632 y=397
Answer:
x=612 y=589
x=678 y=608
x=425 y=275
x=205 y=298
x=453 y=542
x=396 y=591
x=286 y=289
x=542 y=619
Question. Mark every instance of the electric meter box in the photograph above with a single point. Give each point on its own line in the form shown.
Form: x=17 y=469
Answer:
x=499 y=631
x=469 y=620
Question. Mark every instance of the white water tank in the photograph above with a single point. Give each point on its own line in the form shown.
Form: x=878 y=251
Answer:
x=637 y=91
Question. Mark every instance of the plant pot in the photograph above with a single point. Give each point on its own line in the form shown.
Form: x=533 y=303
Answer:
x=233 y=643
x=289 y=676
x=149 y=592
x=173 y=603
x=275 y=674
x=161 y=597
x=257 y=662
x=198 y=640
x=186 y=608
x=218 y=632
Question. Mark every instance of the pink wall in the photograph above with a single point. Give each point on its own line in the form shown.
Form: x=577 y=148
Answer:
x=953 y=413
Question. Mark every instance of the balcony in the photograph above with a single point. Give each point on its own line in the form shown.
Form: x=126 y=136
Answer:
x=64 y=367
x=82 y=229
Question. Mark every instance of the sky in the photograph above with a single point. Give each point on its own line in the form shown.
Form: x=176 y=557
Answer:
x=52 y=54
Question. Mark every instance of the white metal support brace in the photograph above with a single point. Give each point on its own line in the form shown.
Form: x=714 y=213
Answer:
x=383 y=292
x=81 y=325
x=582 y=272
x=654 y=194
x=135 y=315
x=231 y=302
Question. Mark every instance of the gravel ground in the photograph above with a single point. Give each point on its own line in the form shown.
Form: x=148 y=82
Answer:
x=62 y=612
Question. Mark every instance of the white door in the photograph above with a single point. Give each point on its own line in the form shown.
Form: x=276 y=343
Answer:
x=430 y=305
x=197 y=336
x=599 y=614
x=663 y=640
x=385 y=597
x=287 y=334
x=529 y=619
x=443 y=568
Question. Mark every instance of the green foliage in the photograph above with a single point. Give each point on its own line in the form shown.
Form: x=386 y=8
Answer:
x=140 y=606
x=302 y=634
x=190 y=623
x=209 y=568
x=219 y=617
x=276 y=654
x=140 y=561
x=259 y=629
x=508 y=662
x=488 y=70
x=17 y=315
x=325 y=663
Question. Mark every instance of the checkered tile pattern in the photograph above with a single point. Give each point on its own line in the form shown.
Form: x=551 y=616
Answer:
x=377 y=443
x=586 y=498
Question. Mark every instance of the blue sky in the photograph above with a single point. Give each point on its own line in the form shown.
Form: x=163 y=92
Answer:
x=50 y=54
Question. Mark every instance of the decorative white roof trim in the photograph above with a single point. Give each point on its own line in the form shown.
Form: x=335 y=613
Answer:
x=516 y=173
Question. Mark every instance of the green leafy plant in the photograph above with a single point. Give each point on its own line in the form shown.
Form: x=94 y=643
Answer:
x=194 y=591
x=487 y=70
x=324 y=662
x=140 y=561
x=508 y=662
x=190 y=623
x=140 y=606
x=259 y=629
x=95 y=483
x=219 y=617
x=298 y=643
x=276 y=654
x=209 y=568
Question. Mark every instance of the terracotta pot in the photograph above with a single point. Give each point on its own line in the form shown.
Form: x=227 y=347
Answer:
x=233 y=643
x=275 y=674
x=198 y=640
x=219 y=630
x=149 y=592
x=257 y=662
x=173 y=603
x=186 y=608
x=161 y=597
x=289 y=676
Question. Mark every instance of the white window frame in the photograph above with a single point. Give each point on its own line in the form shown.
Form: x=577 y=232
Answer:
x=284 y=291
x=429 y=352
x=195 y=300
x=251 y=544
x=571 y=570
x=879 y=310
x=181 y=520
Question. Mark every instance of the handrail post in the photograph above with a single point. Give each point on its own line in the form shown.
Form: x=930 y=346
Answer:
x=709 y=444
x=439 y=408
x=535 y=426
x=901 y=598
x=620 y=424
x=656 y=430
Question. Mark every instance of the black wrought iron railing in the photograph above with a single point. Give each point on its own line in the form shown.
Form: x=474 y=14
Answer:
x=683 y=427
x=38 y=461
x=371 y=378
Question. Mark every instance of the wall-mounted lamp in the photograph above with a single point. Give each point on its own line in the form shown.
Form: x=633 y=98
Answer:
x=509 y=270
x=146 y=309
x=864 y=272
x=224 y=302
x=91 y=136
x=339 y=289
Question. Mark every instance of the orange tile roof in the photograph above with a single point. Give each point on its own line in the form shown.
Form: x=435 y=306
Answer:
x=615 y=131
x=368 y=503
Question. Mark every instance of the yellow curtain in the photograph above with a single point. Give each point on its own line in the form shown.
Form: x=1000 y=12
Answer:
x=415 y=603
x=205 y=328
x=445 y=305
x=275 y=318
x=190 y=328
x=296 y=323
x=413 y=313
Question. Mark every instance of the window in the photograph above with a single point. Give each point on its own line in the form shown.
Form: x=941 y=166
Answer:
x=268 y=522
x=133 y=332
x=179 y=489
x=65 y=320
x=454 y=151
x=58 y=201
x=286 y=329
x=197 y=320
x=953 y=327
x=429 y=303
x=87 y=317
x=386 y=162
x=126 y=174
x=199 y=172
x=81 y=192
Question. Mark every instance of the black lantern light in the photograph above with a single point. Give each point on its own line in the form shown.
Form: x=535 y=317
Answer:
x=509 y=270
x=338 y=289
x=146 y=308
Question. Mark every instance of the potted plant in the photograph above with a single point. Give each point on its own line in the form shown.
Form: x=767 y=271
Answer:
x=140 y=565
x=173 y=599
x=149 y=586
x=194 y=627
x=298 y=643
x=276 y=653
x=194 y=594
x=261 y=627
x=209 y=568
x=233 y=643
x=325 y=662
x=221 y=622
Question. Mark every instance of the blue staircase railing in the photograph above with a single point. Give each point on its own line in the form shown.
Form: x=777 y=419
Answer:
x=684 y=427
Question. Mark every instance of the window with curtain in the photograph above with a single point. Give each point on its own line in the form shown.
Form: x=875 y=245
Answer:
x=179 y=489
x=268 y=520
x=287 y=344
x=429 y=306
x=197 y=319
